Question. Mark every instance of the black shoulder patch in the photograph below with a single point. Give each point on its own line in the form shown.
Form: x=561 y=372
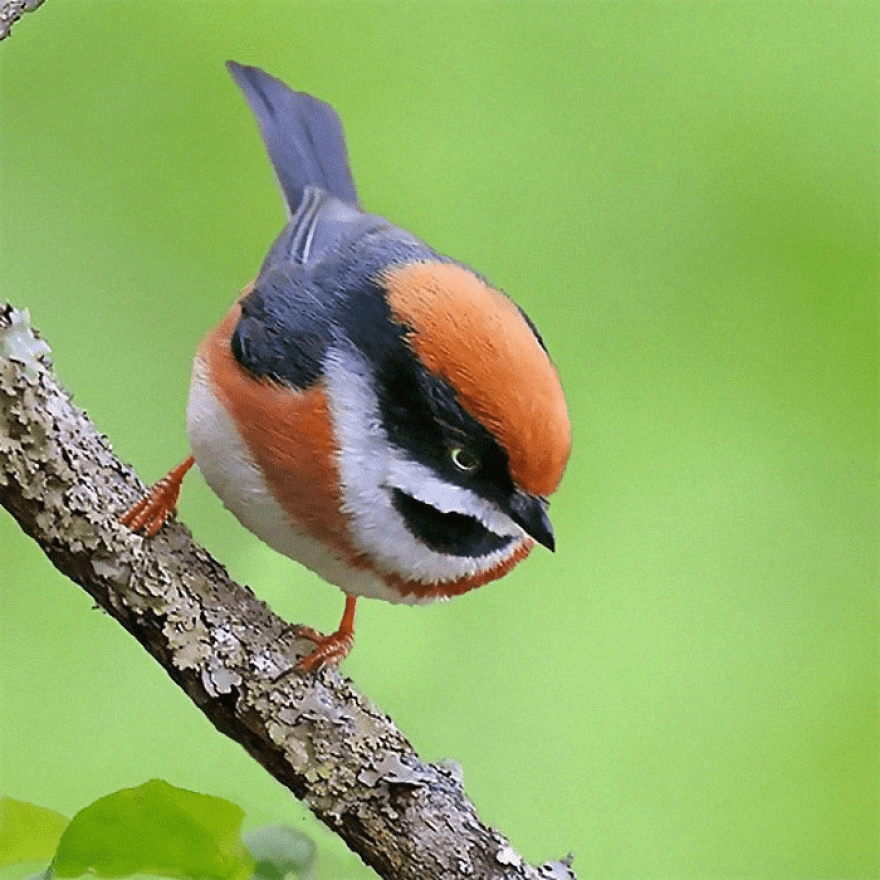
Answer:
x=276 y=337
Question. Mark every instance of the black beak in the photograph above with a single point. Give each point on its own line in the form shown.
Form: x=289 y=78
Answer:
x=530 y=512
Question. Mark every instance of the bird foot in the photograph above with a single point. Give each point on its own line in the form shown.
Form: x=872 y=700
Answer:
x=329 y=650
x=152 y=510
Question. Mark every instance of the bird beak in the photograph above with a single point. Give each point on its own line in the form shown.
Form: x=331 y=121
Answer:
x=530 y=512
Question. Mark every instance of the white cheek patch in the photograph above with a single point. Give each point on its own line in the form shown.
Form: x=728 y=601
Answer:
x=370 y=467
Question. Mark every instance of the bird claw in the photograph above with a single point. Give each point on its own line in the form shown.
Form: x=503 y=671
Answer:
x=329 y=650
x=150 y=513
x=153 y=509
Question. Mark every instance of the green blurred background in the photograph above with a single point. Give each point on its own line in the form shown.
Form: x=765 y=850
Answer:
x=684 y=197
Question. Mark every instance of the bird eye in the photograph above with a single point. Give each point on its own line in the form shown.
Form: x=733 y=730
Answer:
x=463 y=459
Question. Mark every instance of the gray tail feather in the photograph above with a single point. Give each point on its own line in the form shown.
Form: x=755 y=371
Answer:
x=303 y=136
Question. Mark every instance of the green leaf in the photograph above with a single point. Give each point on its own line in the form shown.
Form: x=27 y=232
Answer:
x=28 y=832
x=279 y=851
x=156 y=829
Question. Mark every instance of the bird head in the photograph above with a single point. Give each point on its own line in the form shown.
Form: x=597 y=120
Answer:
x=454 y=437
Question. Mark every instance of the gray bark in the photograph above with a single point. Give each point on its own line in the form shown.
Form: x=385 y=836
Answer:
x=11 y=11
x=318 y=736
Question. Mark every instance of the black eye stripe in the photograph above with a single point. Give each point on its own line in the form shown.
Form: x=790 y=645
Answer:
x=422 y=416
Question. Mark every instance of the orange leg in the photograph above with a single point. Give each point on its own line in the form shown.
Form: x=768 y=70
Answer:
x=160 y=502
x=329 y=649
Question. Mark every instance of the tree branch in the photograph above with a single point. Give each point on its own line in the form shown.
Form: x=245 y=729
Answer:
x=11 y=11
x=316 y=735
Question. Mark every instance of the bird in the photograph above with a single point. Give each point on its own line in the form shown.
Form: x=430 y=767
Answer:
x=369 y=407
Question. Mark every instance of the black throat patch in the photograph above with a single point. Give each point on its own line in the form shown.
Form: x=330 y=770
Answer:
x=454 y=534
